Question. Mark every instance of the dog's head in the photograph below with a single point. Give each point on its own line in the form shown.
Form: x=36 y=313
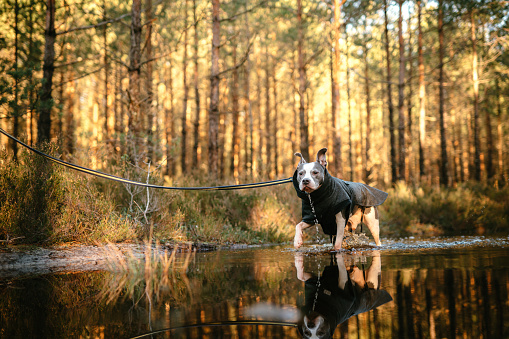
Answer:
x=314 y=325
x=310 y=175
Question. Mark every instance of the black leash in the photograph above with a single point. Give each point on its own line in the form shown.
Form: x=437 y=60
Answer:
x=219 y=324
x=137 y=183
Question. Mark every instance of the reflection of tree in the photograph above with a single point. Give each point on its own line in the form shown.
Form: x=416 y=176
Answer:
x=434 y=296
x=449 y=302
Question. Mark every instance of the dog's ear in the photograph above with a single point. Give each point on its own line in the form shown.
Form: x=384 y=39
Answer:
x=321 y=157
x=302 y=160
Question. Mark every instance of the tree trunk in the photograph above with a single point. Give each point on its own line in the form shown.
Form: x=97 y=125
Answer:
x=475 y=79
x=348 y=99
x=259 y=156
x=148 y=84
x=116 y=105
x=249 y=148
x=422 y=98
x=394 y=172
x=490 y=171
x=69 y=117
x=304 y=132
x=275 y=126
x=268 y=122
x=34 y=60
x=367 y=169
x=15 y=106
x=134 y=120
x=444 y=179
x=60 y=120
x=500 y=135
x=222 y=141
x=183 y=153
x=456 y=149
x=46 y=100
x=214 y=92
x=106 y=74
x=335 y=76
x=196 y=90
x=410 y=165
x=401 y=96
x=295 y=115
x=169 y=123
x=234 y=165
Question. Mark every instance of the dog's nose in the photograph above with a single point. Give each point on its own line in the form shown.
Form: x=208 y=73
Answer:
x=305 y=181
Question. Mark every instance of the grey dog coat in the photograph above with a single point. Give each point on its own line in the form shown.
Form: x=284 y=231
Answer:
x=334 y=196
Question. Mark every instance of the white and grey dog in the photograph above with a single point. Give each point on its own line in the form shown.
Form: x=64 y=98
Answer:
x=334 y=203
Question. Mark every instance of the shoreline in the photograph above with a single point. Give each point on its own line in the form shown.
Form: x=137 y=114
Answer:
x=16 y=262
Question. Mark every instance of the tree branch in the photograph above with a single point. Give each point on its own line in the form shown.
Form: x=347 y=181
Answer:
x=70 y=63
x=82 y=28
x=232 y=18
x=314 y=56
x=237 y=66
x=80 y=77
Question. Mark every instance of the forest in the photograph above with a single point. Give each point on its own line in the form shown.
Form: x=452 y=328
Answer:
x=407 y=95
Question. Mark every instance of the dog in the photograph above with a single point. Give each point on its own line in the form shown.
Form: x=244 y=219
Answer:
x=333 y=203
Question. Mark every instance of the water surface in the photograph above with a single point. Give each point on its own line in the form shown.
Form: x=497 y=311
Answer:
x=433 y=288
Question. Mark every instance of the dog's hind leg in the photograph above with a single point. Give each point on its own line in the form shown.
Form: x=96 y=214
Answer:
x=373 y=222
x=354 y=219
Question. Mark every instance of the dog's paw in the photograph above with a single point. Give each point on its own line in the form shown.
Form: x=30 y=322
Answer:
x=297 y=241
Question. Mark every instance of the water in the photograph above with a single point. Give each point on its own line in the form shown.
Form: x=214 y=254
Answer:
x=433 y=288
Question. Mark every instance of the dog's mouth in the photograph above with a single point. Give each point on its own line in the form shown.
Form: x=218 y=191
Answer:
x=307 y=189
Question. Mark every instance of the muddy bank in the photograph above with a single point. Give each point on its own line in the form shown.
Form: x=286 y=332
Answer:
x=20 y=261
x=16 y=262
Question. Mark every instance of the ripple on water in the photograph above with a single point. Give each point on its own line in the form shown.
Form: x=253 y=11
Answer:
x=465 y=242
x=361 y=242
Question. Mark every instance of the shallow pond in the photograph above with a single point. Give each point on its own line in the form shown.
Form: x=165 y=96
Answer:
x=434 y=288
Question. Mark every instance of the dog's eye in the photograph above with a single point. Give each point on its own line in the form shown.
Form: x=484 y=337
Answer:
x=301 y=173
x=315 y=172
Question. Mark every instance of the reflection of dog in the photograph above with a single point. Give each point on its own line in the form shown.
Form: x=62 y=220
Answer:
x=333 y=202
x=337 y=295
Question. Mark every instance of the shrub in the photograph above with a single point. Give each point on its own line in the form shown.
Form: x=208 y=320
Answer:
x=466 y=210
x=44 y=203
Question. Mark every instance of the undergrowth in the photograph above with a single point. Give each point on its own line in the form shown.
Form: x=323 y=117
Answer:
x=43 y=203
x=470 y=209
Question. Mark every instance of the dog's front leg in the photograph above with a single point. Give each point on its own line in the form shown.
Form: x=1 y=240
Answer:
x=340 y=225
x=299 y=265
x=297 y=240
x=343 y=274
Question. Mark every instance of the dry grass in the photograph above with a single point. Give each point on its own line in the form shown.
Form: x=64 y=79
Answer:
x=147 y=271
